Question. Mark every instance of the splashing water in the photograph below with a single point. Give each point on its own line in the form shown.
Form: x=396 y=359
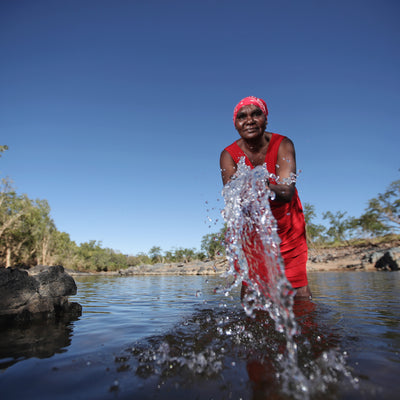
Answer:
x=222 y=342
x=252 y=247
x=214 y=344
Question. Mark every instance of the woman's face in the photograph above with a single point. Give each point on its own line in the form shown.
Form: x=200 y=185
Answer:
x=250 y=122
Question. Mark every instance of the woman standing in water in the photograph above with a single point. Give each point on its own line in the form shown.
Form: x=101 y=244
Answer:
x=260 y=147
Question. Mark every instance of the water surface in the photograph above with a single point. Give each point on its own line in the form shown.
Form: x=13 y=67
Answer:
x=175 y=337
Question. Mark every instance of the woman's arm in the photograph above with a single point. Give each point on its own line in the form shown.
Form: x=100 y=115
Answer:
x=228 y=167
x=285 y=170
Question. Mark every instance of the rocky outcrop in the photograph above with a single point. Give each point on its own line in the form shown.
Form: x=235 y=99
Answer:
x=386 y=260
x=192 y=268
x=41 y=291
x=355 y=258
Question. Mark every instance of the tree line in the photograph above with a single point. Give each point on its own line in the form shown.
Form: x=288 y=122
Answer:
x=380 y=217
x=29 y=236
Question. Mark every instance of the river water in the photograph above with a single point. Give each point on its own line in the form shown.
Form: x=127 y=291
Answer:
x=176 y=337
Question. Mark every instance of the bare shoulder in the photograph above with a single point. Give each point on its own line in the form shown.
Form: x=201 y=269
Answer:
x=228 y=166
x=226 y=157
x=286 y=146
x=286 y=142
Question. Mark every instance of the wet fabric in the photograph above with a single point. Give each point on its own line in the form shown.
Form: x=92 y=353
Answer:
x=290 y=221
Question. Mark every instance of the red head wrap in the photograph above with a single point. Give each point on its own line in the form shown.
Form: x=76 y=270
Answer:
x=260 y=103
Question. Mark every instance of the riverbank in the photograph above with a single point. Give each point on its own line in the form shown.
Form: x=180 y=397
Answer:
x=365 y=257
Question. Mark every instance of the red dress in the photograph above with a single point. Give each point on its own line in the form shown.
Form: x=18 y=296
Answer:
x=289 y=217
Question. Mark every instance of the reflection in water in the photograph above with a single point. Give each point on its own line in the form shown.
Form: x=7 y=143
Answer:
x=226 y=343
x=365 y=308
x=40 y=338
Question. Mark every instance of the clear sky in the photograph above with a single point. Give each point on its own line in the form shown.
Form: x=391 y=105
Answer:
x=116 y=111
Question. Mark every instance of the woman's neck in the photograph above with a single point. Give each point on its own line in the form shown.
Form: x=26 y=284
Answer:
x=257 y=144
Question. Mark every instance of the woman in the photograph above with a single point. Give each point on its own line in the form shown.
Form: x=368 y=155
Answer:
x=276 y=151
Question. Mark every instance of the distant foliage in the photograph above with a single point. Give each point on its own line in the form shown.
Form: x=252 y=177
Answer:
x=213 y=244
x=381 y=217
x=3 y=148
x=316 y=233
x=28 y=234
x=340 y=227
x=385 y=208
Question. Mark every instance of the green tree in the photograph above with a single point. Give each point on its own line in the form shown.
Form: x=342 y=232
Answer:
x=64 y=250
x=43 y=231
x=170 y=256
x=199 y=255
x=385 y=208
x=140 y=258
x=183 y=254
x=3 y=148
x=88 y=255
x=339 y=225
x=315 y=232
x=155 y=254
x=213 y=244
x=117 y=260
x=370 y=225
x=13 y=208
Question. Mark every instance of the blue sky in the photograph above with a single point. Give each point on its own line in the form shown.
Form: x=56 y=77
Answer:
x=116 y=111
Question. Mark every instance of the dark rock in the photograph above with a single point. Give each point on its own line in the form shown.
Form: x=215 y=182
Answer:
x=54 y=281
x=317 y=259
x=385 y=260
x=354 y=266
x=387 y=263
x=42 y=292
